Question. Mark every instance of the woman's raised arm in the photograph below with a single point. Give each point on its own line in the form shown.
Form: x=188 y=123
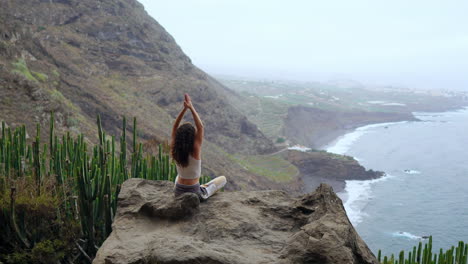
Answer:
x=198 y=123
x=177 y=122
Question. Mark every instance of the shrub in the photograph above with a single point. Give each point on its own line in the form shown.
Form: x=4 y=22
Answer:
x=280 y=140
x=21 y=68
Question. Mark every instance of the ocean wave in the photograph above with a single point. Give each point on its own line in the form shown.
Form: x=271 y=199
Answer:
x=344 y=143
x=358 y=194
x=429 y=116
x=412 y=172
x=407 y=235
x=300 y=148
x=273 y=96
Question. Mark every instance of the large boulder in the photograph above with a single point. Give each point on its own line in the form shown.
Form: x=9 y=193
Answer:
x=151 y=226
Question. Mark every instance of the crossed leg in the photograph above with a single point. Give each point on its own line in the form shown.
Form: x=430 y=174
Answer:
x=213 y=186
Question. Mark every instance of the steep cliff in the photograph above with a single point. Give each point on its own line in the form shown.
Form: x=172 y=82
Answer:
x=315 y=127
x=322 y=167
x=80 y=58
x=231 y=227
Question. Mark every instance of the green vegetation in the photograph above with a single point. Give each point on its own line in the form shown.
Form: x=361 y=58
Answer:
x=266 y=113
x=334 y=155
x=72 y=121
x=56 y=73
x=58 y=199
x=40 y=76
x=58 y=97
x=280 y=140
x=425 y=255
x=273 y=167
x=20 y=67
x=347 y=96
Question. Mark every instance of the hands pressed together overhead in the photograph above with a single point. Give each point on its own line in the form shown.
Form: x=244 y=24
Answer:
x=188 y=102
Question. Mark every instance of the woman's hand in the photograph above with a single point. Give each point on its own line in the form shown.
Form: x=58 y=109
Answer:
x=188 y=102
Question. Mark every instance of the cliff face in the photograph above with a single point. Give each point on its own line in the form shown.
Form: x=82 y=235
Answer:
x=315 y=127
x=231 y=227
x=80 y=58
x=321 y=167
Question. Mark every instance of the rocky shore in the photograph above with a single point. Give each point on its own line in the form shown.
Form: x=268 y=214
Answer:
x=321 y=167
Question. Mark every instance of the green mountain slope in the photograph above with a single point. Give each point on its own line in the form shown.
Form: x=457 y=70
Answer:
x=80 y=58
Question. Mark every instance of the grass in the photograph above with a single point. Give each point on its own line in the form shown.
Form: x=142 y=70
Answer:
x=56 y=73
x=333 y=155
x=20 y=67
x=266 y=113
x=272 y=167
x=57 y=96
x=40 y=76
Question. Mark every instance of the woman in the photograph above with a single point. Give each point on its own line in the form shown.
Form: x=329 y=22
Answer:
x=186 y=148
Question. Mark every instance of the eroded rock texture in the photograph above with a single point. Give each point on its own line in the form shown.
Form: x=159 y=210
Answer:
x=151 y=226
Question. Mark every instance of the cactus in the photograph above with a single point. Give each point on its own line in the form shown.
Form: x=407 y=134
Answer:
x=87 y=182
x=458 y=255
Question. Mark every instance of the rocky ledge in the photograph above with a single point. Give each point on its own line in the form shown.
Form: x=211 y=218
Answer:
x=318 y=167
x=151 y=226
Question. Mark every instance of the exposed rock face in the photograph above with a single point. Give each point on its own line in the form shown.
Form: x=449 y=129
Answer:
x=151 y=226
x=315 y=127
x=322 y=167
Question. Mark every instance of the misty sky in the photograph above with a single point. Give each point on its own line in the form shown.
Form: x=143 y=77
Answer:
x=412 y=43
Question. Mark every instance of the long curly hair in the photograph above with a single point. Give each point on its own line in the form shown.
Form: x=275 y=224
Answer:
x=182 y=145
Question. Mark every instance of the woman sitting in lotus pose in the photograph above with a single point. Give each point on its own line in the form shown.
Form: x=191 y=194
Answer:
x=186 y=148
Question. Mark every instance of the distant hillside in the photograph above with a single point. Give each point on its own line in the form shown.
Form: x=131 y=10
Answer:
x=315 y=128
x=313 y=113
x=81 y=58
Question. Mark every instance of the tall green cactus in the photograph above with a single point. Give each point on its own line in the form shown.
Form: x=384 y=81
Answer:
x=424 y=255
x=87 y=179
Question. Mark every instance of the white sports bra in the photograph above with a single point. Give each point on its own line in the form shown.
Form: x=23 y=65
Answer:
x=192 y=171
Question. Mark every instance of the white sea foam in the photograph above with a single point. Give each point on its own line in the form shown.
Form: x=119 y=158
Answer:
x=394 y=104
x=407 y=235
x=376 y=102
x=300 y=148
x=386 y=103
x=412 y=172
x=273 y=96
x=342 y=145
x=358 y=194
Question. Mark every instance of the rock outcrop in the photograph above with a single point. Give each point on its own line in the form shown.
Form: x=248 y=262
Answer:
x=151 y=226
x=318 y=167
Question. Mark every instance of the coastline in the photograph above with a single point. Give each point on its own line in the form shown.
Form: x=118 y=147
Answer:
x=358 y=190
x=315 y=128
x=338 y=142
x=332 y=137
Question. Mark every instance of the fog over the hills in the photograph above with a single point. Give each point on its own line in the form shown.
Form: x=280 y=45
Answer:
x=418 y=44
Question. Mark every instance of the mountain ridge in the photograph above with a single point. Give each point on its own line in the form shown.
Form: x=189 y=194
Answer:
x=79 y=59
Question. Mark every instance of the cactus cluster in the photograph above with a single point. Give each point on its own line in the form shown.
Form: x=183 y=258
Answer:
x=425 y=255
x=87 y=179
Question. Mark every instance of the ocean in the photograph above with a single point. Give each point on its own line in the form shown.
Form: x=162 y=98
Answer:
x=425 y=189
